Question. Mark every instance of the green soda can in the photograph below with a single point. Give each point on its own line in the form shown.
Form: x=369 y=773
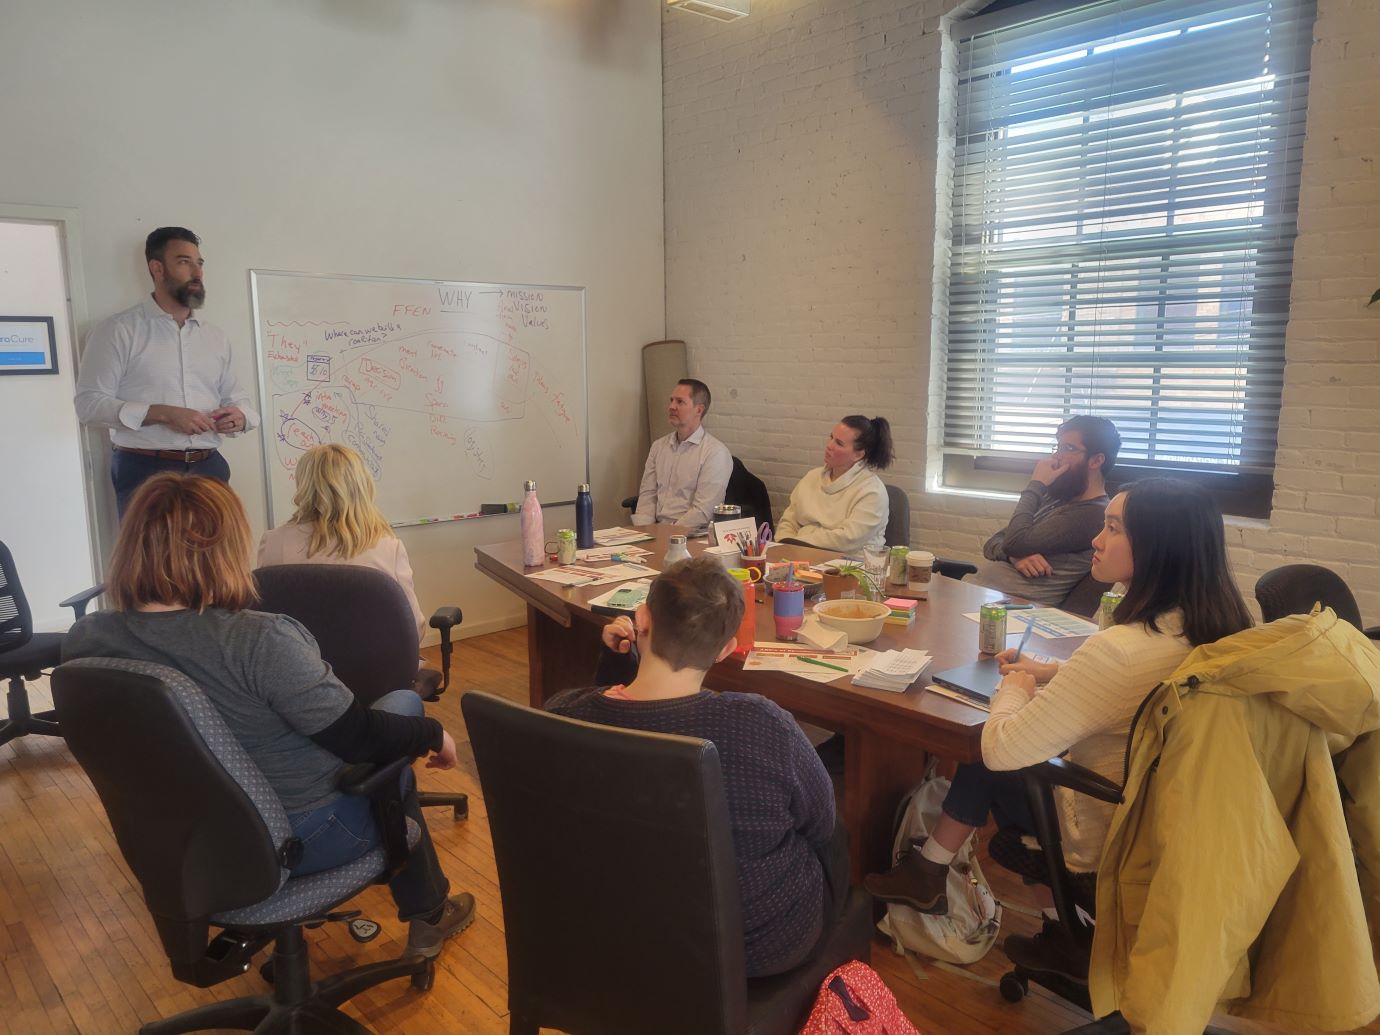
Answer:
x=1106 y=608
x=992 y=628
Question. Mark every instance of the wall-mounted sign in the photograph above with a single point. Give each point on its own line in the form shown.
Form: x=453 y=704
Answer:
x=28 y=345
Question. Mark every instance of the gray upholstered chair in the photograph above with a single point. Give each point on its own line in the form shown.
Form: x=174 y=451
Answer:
x=897 y=517
x=211 y=846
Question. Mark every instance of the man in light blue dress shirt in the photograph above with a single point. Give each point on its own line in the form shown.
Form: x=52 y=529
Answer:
x=162 y=380
x=687 y=471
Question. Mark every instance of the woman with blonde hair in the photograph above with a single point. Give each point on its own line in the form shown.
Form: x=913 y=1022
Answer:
x=182 y=592
x=336 y=521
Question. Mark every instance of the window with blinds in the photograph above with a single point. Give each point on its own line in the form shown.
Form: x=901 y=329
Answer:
x=1125 y=193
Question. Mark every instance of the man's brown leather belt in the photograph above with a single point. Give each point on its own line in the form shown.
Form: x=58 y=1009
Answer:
x=186 y=456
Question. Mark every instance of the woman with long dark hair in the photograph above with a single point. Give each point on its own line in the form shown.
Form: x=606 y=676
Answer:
x=843 y=505
x=1163 y=539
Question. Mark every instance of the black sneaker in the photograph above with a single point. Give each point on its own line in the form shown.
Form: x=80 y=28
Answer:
x=424 y=939
x=1052 y=951
x=914 y=881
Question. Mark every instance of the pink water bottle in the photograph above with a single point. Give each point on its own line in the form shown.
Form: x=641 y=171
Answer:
x=533 y=530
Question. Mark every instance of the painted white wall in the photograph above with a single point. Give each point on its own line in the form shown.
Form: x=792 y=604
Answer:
x=41 y=471
x=515 y=141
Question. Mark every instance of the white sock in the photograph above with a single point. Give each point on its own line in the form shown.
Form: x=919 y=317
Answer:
x=936 y=853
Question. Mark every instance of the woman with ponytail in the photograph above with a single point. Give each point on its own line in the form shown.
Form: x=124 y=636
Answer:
x=842 y=506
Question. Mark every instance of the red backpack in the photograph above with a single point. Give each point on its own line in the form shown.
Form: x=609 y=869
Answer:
x=854 y=1000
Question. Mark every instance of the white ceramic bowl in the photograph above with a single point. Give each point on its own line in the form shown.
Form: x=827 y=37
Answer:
x=862 y=620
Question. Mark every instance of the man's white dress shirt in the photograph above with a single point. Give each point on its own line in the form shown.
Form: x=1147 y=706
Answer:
x=683 y=481
x=141 y=357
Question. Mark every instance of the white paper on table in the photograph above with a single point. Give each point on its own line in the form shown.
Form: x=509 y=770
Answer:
x=642 y=588
x=1049 y=622
x=908 y=662
x=788 y=661
x=816 y=634
x=605 y=553
x=954 y=695
x=619 y=536
x=580 y=575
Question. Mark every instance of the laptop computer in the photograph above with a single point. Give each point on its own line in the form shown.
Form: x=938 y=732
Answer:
x=977 y=680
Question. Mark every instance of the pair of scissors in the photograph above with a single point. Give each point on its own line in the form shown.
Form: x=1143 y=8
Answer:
x=763 y=537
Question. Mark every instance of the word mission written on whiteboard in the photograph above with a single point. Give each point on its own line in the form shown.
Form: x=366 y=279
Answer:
x=453 y=393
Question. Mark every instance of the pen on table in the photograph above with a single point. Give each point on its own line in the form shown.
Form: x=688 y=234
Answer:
x=821 y=664
x=1029 y=628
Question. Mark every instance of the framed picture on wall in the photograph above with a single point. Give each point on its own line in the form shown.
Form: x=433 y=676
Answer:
x=28 y=345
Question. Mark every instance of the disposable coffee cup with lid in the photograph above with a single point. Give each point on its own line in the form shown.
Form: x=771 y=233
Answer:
x=919 y=568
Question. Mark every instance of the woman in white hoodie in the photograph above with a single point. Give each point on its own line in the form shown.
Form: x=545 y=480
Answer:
x=842 y=506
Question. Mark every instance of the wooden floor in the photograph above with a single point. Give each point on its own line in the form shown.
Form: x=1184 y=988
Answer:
x=78 y=952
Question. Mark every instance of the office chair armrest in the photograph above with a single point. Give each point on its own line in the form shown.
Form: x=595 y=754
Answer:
x=1373 y=632
x=382 y=785
x=630 y=503
x=443 y=620
x=367 y=780
x=79 y=601
x=1060 y=772
x=951 y=569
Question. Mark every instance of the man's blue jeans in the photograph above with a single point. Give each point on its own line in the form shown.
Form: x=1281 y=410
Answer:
x=344 y=829
x=129 y=470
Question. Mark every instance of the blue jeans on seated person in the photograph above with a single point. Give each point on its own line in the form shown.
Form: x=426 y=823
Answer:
x=977 y=792
x=344 y=829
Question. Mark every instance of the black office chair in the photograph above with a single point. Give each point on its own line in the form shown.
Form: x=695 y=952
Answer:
x=1294 y=588
x=1085 y=597
x=1072 y=892
x=749 y=492
x=898 y=533
x=744 y=489
x=25 y=654
x=897 y=517
x=210 y=844
x=363 y=623
x=607 y=838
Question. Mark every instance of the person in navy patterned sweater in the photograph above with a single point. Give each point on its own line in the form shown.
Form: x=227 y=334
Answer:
x=790 y=851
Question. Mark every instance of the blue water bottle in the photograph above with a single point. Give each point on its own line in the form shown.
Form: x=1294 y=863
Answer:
x=584 y=518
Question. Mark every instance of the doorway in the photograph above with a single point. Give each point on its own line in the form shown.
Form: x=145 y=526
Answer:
x=46 y=519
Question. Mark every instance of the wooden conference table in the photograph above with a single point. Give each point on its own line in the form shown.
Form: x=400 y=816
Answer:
x=887 y=735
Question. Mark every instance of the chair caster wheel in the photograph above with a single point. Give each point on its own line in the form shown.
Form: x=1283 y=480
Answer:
x=266 y=970
x=424 y=979
x=364 y=930
x=461 y=811
x=1013 y=988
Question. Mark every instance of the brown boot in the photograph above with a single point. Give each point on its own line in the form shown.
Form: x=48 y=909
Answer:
x=915 y=881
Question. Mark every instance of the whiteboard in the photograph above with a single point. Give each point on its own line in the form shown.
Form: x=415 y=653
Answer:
x=453 y=392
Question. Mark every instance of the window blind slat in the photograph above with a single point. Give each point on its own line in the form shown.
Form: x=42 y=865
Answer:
x=1125 y=194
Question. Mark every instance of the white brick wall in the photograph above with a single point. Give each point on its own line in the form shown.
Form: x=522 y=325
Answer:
x=802 y=145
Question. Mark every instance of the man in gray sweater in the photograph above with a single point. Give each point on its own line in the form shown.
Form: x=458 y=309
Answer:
x=1046 y=547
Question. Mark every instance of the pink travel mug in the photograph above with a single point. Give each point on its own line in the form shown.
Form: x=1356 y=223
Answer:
x=787 y=608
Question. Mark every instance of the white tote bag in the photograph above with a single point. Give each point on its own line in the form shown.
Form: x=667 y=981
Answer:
x=969 y=928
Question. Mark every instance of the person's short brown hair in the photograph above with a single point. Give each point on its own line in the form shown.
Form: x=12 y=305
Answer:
x=696 y=606
x=183 y=540
x=699 y=393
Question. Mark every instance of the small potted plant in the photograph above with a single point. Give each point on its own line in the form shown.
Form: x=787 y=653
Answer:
x=845 y=581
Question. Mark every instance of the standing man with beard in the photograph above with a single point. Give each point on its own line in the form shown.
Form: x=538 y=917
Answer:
x=162 y=380
x=1046 y=548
